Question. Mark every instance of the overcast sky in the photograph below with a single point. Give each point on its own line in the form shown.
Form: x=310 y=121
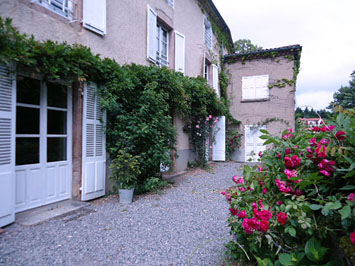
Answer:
x=324 y=28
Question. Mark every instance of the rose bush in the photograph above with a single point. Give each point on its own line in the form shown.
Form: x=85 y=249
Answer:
x=297 y=206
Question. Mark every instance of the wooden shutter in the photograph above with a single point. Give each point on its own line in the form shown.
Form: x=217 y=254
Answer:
x=215 y=79
x=7 y=145
x=94 y=152
x=219 y=145
x=179 y=52
x=94 y=15
x=152 y=34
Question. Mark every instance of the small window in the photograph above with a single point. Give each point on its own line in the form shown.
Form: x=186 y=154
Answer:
x=162 y=46
x=171 y=3
x=208 y=33
x=255 y=87
x=62 y=7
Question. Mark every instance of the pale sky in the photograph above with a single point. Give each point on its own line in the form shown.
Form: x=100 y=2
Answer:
x=324 y=28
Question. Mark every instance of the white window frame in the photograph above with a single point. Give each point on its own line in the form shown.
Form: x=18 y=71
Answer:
x=65 y=9
x=160 y=31
x=207 y=32
x=171 y=3
x=249 y=85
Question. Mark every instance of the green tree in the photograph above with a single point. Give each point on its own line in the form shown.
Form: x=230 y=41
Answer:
x=244 y=46
x=345 y=96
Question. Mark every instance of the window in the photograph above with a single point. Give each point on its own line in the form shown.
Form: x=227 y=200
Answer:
x=255 y=87
x=162 y=46
x=62 y=7
x=208 y=33
x=171 y=3
x=206 y=71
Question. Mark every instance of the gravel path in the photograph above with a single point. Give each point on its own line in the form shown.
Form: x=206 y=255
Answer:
x=157 y=229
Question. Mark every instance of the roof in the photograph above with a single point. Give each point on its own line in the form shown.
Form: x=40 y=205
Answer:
x=213 y=12
x=265 y=53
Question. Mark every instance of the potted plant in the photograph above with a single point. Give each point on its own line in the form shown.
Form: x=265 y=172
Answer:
x=125 y=172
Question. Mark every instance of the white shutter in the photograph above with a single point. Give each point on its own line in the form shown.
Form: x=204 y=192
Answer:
x=7 y=145
x=179 y=52
x=215 y=79
x=219 y=146
x=94 y=151
x=261 y=87
x=152 y=34
x=94 y=15
x=248 y=88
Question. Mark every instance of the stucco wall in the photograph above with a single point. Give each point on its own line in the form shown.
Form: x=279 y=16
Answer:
x=126 y=36
x=281 y=104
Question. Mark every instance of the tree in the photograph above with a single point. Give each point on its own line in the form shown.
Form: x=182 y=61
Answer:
x=244 y=46
x=345 y=97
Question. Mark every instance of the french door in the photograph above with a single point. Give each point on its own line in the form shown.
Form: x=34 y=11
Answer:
x=43 y=164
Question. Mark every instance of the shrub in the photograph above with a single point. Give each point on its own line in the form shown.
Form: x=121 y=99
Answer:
x=297 y=206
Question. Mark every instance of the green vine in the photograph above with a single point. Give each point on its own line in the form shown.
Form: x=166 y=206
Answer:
x=140 y=100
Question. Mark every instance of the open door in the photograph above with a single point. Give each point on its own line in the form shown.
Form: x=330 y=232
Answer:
x=7 y=145
x=253 y=143
x=94 y=152
x=219 y=145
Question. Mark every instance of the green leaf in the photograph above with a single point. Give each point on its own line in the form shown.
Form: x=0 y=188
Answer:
x=264 y=131
x=345 y=212
x=292 y=231
x=285 y=259
x=263 y=262
x=348 y=187
x=315 y=207
x=314 y=251
x=335 y=205
x=264 y=137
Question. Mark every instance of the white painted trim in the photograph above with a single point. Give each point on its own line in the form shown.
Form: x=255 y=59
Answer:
x=184 y=54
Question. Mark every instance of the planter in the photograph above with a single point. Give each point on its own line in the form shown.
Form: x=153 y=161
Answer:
x=126 y=195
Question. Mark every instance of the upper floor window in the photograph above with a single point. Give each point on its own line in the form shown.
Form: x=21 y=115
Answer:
x=207 y=68
x=162 y=45
x=170 y=2
x=62 y=7
x=255 y=87
x=208 y=33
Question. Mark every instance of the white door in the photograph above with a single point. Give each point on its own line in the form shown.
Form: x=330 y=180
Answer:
x=43 y=170
x=215 y=79
x=94 y=152
x=253 y=143
x=7 y=146
x=219 y=145
x=179 y=52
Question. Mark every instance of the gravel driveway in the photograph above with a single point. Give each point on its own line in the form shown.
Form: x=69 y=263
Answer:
x=157 y=229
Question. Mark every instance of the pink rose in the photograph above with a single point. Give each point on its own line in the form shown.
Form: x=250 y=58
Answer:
x=351 y=196
x=278 y=156
x=263 y=215
x=352 y=237
x=264 y=190
x=264 y=226
x=242 y=214
x=247 y=228
x=288 y=151
x=290 y=173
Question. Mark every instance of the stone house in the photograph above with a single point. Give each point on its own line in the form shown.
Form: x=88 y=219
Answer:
x=52 y=146
x=262 y=94
x=55 y=146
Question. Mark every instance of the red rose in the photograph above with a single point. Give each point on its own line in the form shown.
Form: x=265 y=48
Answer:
x=282 y=218
x=233 y=211
x=264 y=226
x=340 y=135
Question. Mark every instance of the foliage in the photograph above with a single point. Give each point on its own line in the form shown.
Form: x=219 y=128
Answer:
x=233 y=141
x=242 y=46
x=306 y=113
x=140 y=101
x=151 y=184
x=345 y=96
x=125 y=170
x=297 y=207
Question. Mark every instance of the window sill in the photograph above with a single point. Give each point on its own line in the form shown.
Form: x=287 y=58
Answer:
x=255 y=100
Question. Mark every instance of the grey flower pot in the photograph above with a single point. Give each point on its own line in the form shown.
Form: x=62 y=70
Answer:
x=126 y=195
